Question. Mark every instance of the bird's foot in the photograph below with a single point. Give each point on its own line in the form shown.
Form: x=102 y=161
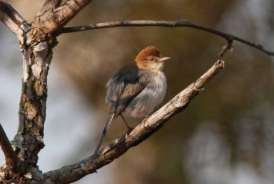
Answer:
x=128 y=130
x=199 y=89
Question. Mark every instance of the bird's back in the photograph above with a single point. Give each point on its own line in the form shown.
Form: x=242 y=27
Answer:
x=123 y=86
x=135 y=92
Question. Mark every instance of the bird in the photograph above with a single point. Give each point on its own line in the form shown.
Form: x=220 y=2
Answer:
x=137 y=89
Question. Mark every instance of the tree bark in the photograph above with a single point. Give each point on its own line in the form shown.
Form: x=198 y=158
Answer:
x=32 y=112
x=36 y=41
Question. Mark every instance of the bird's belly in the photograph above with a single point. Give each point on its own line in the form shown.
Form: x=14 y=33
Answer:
x=150 y=98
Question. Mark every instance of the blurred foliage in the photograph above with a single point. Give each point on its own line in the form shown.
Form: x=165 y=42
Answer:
x=90 y=58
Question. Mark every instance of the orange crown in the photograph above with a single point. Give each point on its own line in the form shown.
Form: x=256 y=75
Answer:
x=147 y=51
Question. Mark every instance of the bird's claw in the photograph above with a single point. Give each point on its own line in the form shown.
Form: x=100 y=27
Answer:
x=127 y=132
x=129 y=129
x=199 y=89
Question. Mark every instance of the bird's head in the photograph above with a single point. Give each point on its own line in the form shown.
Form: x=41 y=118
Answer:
x=149 y=59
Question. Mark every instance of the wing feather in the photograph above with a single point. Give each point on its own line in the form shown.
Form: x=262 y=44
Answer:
x=124 y=85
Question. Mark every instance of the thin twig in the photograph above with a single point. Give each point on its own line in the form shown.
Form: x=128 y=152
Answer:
x=140 y=133
x=226 y=48
x=162 y=23
x=10 y=156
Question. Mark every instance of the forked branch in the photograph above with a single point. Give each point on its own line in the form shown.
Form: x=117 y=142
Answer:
x=36 y=41
x=162 y=23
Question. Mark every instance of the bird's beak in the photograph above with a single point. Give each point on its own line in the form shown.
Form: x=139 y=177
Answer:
x=162 y=59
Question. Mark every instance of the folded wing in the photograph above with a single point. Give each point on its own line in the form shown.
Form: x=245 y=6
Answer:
x=124 y=85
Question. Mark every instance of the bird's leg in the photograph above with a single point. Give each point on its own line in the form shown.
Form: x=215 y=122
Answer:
x=129 y=128
x=104 y=133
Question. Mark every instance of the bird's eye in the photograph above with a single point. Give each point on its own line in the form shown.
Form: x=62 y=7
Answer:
x=150 y=58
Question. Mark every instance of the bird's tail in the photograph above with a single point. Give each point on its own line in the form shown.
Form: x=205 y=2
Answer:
x=104 y=132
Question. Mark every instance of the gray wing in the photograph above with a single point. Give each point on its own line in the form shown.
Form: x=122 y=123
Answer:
x=124 y=85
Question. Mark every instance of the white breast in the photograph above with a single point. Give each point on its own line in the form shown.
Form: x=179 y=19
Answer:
x=150 y=98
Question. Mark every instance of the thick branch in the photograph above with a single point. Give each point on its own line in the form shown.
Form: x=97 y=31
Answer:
x=142 y=131
x=160 y=23
x=36 y=46
x=50 y=19
x=48 y=5
x=32 y=110
x=10 y=156
x=10 y=17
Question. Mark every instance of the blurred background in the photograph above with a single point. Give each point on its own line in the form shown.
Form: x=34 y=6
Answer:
x=226 y=135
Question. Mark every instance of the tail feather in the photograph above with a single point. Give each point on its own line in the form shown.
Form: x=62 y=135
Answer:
x=104 y=132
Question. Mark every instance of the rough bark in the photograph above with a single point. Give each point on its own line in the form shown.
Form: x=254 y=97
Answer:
x=36 y=40
x=32 y=112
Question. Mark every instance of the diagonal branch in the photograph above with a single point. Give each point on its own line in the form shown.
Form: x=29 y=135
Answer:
x=52 y=18
x=10 y=17
x=48 y=5
x=10 y=156
x=162 y=23
x=141 y=132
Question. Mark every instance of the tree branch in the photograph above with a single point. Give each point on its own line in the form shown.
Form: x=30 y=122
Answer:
x=141 y=132
x=10 y=156
x=161 y=23
x=51 y=19
x=10 y=17
x=37 y=48
x=48 y=5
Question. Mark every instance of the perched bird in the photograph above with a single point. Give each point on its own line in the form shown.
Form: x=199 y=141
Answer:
x=137 y=88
